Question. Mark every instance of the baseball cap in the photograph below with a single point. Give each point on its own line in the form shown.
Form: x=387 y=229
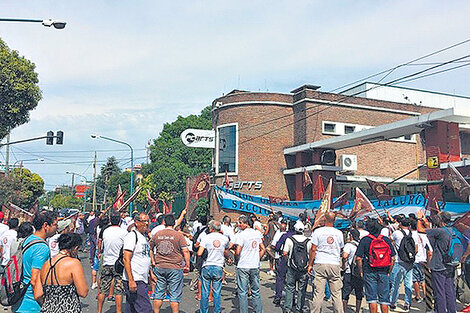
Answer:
x=63 y=224
x=299 y=227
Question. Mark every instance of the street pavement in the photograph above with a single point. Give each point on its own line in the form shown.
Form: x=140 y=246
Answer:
x=229 y=297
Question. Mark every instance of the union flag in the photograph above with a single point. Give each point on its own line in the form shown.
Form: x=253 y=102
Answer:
x=325 y=205
x=318 y=189
x=380 y=190
x=362 y=205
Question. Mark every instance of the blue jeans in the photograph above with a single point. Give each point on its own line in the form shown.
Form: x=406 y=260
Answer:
x=169 y=282
x=294 y=277
x=401 y=272
x=248 y=277
x=377 y=287
x=211 y=274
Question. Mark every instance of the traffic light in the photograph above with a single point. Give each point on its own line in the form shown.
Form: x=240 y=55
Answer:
x=60 y=137
x=50 y=138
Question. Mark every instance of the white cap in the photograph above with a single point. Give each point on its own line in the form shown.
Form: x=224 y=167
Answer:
x=299 y=226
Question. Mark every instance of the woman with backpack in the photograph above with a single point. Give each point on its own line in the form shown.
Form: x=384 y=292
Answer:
x=62 y=278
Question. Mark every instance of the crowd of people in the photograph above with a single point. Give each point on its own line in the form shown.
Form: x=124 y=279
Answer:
x=145 y=259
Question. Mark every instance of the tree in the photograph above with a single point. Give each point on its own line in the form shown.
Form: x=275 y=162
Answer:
x=31 y=187
x=19 y=90
x=172 y=161
x=9 y=190
x=108 y=170
x=60 y=201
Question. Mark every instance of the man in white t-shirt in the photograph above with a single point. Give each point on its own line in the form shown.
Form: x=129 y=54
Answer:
x=296 y=272
x=423 y=254
x=7 y=238
x=137 y=267
x=111 y=245
x=360 y=227
x=327 y=243
x=216 y=245
x=227 y=228
x=402 y=271
x=351 y=281
x=249 y=250
x=3 y=227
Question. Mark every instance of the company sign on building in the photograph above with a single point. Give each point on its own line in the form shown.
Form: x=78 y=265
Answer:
x=198 y=138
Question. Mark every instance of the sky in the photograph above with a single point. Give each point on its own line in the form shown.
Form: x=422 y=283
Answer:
x=124 y=68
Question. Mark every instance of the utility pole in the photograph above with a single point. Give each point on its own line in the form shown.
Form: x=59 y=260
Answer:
x=94 y=183
x=73 y=181
x=7 y=155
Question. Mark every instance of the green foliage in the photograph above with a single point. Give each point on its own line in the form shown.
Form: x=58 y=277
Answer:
x=172 y=161
x=31 y=184
x=61 y=201
x=202 y=207
x=9 y=190
x=123 y=179
x=108 y=170
x=19 y=90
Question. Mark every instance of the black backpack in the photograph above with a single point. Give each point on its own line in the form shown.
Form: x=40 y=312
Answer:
x=407 y=251
x=119 y=264
x=196 y=236
x=299 y=257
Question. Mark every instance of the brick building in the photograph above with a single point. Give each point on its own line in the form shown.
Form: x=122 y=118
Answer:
x=257 y=132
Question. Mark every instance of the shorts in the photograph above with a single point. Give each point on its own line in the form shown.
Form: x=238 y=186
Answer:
x=377 y=287
x=96 y=262
x=169 y=282
x=351 y=283
x=106 y=277
x=418 y=274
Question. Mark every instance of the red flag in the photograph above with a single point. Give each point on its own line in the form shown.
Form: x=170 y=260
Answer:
x=463 y=224
x=380 y=190
x=226 y=180
x=119 y=200
x=307 y=179
x=170 y=209
x=341 y=200
x=325 y=205
x=201 y=187
x=453 y=179
x=361 y=206
x=318 y=189
x=153 y=203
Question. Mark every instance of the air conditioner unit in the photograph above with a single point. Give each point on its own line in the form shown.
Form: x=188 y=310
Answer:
x=348 y=162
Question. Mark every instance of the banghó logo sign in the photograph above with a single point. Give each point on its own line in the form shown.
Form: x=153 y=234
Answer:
x=198 y=138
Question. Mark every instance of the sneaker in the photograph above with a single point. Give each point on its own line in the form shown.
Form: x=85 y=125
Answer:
x=467 y=309
x=393 y=307
x=94 y=286
x=406 y=307
x=419 y=300
x=277 y=302
x=271 y=272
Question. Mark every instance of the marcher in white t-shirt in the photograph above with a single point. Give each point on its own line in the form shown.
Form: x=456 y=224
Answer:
x=216 y=244
x=111 y=245
x=327 y=243
x=351 y=281
x=249 y=249
x=227 y=228
x=422 y=255
x=7 y=239
x=137 y=266
x=360 y=227
x=294 y=275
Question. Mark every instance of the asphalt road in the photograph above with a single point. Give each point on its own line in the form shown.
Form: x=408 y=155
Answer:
x=229 y=298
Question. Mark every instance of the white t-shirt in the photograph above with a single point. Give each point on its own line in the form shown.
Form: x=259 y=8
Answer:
x=329 y=242
x=113 y=240
x=289 y=245
x=397 y=236
x=156 y=229
x=385 y=232
x=276 y=238
x=140 y=261
x=363 y=233
x=350 y=248
x=215 y=243
x=195 y=227
x=8 y=238
x=53 y=245
x=227 y=231
x=3 y=228
x=90 y=217
x=249 y=240
x=258 y=226
x=422 y=241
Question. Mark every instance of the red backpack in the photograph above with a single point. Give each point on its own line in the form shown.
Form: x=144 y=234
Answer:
x=380 y=254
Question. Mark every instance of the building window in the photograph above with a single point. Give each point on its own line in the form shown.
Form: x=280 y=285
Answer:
x=227 y=145
x=349 y=129
x=329 y=128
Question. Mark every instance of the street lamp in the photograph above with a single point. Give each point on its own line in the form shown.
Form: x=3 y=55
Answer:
x=95 y=136
x=21 y=161
x=58 y=24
